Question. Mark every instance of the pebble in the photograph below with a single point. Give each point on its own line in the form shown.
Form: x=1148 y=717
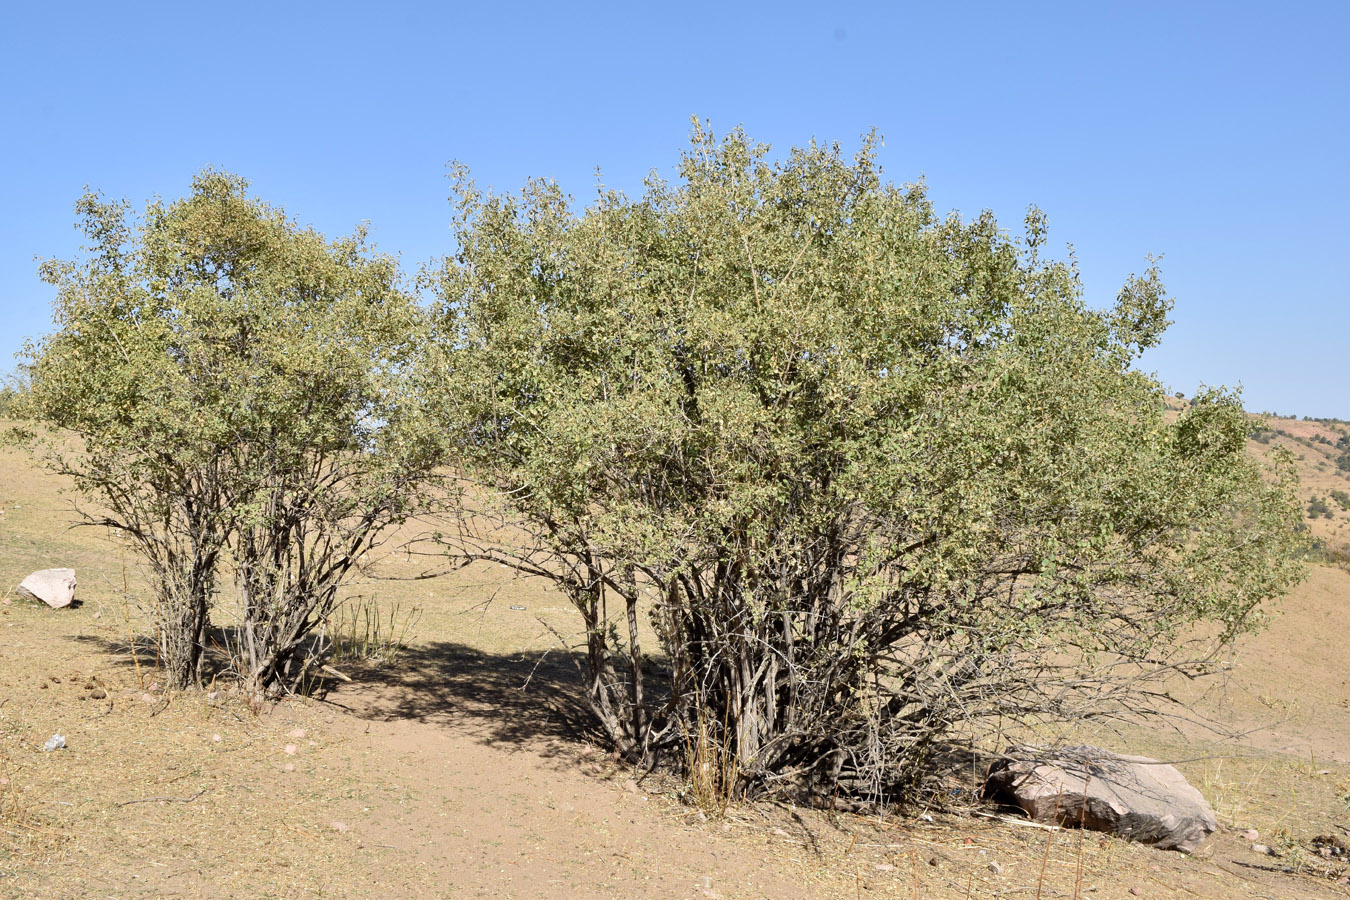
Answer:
x=1262 y=849
x=1135 y=892
x=885 y=867
x=341 y=826
x=291 y=749
x=289 y=767
x=1251 y=835
x=995 y=868
x=215 y=738
x=297 y=733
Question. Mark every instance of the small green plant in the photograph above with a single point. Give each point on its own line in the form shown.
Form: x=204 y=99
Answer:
x=1342 y=499
x=362 y=633
x=1317 y=507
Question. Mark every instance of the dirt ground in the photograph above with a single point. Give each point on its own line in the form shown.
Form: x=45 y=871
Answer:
x=467 y=769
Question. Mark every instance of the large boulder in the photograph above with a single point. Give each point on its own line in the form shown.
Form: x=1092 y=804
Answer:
x=54 y=587
x=1134 y=797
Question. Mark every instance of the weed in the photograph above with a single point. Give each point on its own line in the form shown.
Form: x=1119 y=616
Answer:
x=711 y=768
x=360 y=632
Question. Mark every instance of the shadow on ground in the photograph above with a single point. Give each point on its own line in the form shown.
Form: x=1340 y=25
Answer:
x=499 y=698
x=496 y=698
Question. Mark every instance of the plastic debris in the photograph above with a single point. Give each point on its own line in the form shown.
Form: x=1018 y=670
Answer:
x=55 y=742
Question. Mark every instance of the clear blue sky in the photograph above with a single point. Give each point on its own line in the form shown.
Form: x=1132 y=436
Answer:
x=1215 y=134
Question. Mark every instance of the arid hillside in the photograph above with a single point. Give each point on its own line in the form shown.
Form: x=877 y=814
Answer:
x=464 y=766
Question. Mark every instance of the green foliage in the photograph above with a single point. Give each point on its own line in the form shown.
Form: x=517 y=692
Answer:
x=1342 y=499
x=1317 y=507
x=877 y=474
x=235 y=383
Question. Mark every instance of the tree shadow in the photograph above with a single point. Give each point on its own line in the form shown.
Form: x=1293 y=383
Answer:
x=498 y=698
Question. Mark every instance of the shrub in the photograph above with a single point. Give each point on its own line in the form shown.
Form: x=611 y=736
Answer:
x=876 y=475
x=236 y=386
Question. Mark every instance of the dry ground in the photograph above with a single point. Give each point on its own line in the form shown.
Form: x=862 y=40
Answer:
x=467 y=769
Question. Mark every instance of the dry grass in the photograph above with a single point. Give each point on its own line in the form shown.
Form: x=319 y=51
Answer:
x=463 y=768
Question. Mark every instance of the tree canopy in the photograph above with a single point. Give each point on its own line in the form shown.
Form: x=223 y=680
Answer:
x=236 y=385
x=876 y=474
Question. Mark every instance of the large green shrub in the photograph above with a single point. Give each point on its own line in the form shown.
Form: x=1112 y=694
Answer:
x=235 y=387
x=875 y=475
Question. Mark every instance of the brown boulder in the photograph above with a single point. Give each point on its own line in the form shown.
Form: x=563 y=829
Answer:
x=1133 y=797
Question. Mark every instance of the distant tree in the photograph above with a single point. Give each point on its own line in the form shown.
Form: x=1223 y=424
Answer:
x=234 y=385
x=876 y=475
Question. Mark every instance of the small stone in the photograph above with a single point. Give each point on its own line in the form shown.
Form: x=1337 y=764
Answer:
x=884 y=867
x=341 y=826
x=213 y=695
x=995 y=868
x=631 y=786
x=297 y=733
x=289 y=767
x=215 y=739
x=98 y=693
x=55 y=742
x=1262 y=849
x=1135 y=892
x=291 y=749
x=780 y=832
x=146 y=698
x=1251 y=835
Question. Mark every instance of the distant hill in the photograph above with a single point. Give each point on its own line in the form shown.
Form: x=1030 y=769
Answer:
x=1321 y=447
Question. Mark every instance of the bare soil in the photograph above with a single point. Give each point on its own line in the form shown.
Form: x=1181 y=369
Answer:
x=468 y=769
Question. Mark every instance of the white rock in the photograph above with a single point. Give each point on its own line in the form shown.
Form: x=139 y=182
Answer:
x=54 y=587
